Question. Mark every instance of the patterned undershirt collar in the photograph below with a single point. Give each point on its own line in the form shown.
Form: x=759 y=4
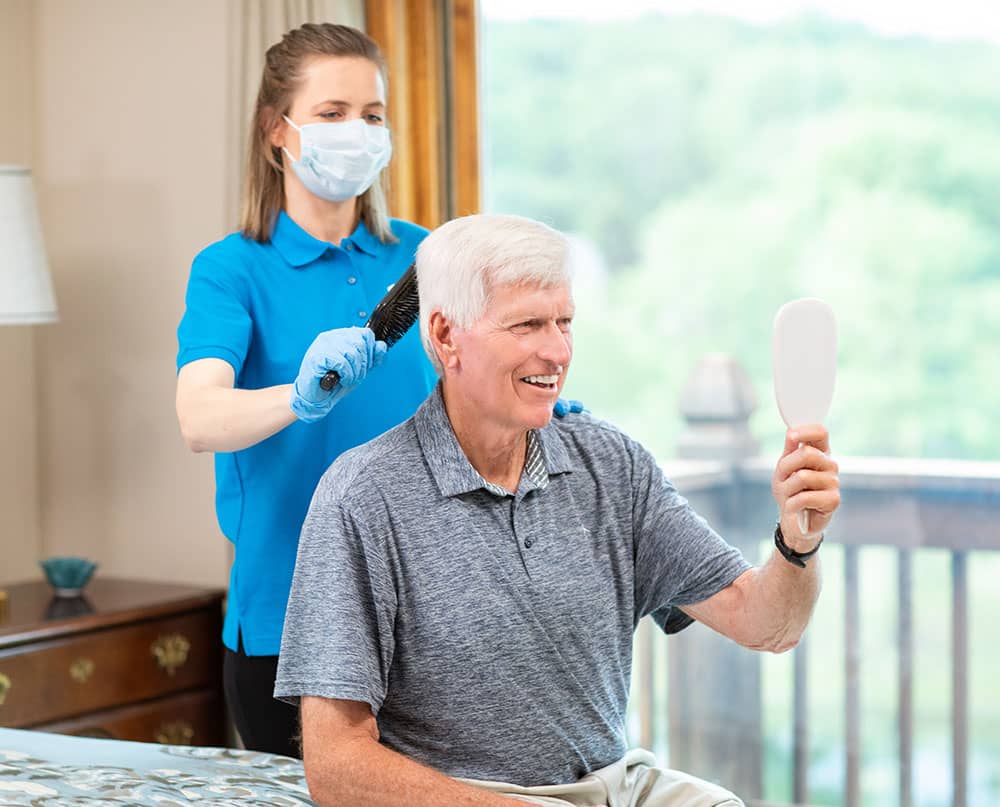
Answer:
x=534 y=468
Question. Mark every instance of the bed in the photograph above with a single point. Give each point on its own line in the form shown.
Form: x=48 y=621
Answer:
x=37 y=768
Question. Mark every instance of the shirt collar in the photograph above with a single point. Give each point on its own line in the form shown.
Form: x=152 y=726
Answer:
x=534 y=469
x=299 y=248
x=557 y=458
x=296 y=246
x=452 y=470
x=365 y=241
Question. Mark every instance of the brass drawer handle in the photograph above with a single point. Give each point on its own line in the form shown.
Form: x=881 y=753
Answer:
x=179 y=732
x=5 y=686
x=81 y=670
x=170 y=651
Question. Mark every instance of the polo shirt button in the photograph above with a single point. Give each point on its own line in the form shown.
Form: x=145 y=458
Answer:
x=362 y=314
x=352 y=280
x=349 y=246
x=527 y=543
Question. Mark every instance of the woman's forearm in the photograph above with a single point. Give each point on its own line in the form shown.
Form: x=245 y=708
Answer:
x=214 y=418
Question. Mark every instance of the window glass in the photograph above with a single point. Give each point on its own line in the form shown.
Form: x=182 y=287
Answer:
x=713 y=160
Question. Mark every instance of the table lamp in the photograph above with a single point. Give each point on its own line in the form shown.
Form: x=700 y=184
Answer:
x=26 y=296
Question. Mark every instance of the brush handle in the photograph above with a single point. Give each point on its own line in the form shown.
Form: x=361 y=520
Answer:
x=382 y=329
x=330 y=380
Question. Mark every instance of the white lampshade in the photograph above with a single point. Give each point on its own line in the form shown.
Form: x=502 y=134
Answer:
x=26 y=295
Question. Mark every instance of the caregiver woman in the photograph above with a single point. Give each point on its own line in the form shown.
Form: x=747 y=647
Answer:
x=269 y=310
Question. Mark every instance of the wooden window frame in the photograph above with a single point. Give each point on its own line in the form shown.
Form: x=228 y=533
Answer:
x=430 y=47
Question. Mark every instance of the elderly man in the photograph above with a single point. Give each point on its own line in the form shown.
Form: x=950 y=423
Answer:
x=460 y=624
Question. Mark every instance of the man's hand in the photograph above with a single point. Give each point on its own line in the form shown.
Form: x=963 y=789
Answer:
x=806 y=478
x=768 y=608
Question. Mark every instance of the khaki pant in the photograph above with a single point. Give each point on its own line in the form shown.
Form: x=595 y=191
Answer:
x=633 y=781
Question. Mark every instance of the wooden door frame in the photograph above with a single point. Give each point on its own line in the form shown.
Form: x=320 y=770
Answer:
x=430 y=47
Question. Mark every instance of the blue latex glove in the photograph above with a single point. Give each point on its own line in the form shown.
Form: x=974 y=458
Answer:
x=564 y=407
x=352 y=352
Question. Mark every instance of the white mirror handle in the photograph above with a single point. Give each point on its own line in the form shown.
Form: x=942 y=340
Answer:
x=803 y=517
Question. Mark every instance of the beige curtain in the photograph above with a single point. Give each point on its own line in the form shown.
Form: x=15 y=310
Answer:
x=255 y=25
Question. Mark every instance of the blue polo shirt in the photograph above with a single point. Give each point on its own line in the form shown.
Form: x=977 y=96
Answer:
x=259 y=307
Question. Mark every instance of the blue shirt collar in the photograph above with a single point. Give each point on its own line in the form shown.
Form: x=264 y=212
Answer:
x=365 y=241
x=299 y=248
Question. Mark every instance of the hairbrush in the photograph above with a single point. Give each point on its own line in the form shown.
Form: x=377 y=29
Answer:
x=392 y=317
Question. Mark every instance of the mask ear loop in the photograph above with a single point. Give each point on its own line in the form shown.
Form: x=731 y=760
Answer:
x=297 y=129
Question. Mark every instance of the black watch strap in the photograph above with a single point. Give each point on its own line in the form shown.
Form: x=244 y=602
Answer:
x=796 y=558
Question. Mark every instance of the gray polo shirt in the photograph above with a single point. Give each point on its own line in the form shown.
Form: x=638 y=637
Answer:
x=492 y=634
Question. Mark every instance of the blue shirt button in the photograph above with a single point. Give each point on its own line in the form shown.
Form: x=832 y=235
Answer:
x=348 y=246
x=352 y=280
x=362 y=314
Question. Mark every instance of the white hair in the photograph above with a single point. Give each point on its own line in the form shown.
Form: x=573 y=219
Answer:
x=462 y=261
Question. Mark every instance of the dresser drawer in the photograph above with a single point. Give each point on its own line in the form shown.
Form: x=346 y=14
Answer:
x=51 y=680
x=194 y=718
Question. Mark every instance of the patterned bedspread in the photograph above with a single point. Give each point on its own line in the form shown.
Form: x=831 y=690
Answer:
x=55 y=770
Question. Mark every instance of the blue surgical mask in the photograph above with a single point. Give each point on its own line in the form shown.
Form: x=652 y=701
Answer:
x=338 y=161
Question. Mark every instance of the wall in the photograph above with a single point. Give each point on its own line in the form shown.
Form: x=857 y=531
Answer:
x=128 y=138
x=130 y=113
x=131 y=138
x=20 y=536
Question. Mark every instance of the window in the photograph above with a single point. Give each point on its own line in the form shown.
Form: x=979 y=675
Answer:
x=711 y=165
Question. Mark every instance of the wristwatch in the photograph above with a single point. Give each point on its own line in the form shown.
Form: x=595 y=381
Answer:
x=795 y=558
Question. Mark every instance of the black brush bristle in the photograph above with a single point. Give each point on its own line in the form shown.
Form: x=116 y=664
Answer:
x=393 y=316
x=398 y=310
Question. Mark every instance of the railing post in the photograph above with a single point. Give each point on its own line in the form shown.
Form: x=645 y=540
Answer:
x=852 y=677
x=960 y=679
x=714 y=685
x=905 y=556
x=716 y=404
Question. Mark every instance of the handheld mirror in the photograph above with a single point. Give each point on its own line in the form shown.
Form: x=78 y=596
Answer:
x=804 y=358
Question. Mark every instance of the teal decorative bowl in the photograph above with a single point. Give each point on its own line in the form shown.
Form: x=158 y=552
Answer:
x=67 y=575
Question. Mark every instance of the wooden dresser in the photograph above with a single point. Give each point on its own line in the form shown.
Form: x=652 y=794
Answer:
x=129 y=660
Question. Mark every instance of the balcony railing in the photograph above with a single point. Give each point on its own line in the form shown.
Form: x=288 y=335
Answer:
x=714 y=718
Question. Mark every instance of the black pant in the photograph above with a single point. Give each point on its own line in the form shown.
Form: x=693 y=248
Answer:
x=264 y=724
